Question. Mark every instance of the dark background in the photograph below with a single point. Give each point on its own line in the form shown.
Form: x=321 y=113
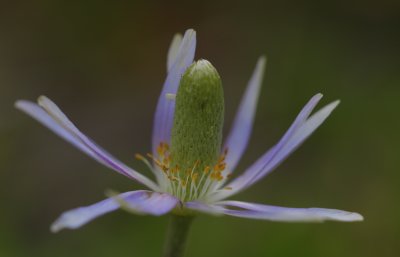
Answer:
x=103 y=62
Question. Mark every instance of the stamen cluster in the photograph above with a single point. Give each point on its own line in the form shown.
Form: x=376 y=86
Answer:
x=195 y=182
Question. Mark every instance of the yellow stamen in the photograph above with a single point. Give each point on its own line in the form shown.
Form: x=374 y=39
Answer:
x=139 y=157
x=191 y=183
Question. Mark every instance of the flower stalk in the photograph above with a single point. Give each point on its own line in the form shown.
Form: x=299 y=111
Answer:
x=178 y=230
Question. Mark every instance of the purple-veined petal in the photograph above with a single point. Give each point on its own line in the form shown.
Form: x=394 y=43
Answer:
x=173 y=50
x=239 y=135
x=142 y=201
x=275 y=213
x=302 y=127
x=48 y=114
x=163 y=118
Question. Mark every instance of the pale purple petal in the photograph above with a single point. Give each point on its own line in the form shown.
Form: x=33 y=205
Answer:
x=52 y=117
x=301 y=134
x=147 y=202
x=239 y=136
x=275 y=213
x=144 y=202
x=205 y=208
x=165 y=107
x=243 y=180
x=173 y=50
x=308 y=127
x=301 y=128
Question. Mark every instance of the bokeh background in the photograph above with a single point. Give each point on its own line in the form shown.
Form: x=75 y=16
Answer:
x=103 y=62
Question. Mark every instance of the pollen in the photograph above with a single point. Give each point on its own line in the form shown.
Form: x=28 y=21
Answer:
x=192 y=183
x=139 y=157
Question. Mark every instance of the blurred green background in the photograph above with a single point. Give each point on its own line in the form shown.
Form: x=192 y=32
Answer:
x=103 y=62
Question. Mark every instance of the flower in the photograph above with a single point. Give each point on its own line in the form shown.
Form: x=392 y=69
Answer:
x=199 y=188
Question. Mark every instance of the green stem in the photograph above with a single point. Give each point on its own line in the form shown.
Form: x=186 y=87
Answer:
x=176 y=235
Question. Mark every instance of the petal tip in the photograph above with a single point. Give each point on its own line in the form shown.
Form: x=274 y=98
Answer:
x=24 y=105
x=354 y=217
x=190 y=34
x=332 y=106
x=42 y=100
x=336 y=103
x=58 y=225
x=262 y=60
x=261 y=63
x=66 y=220
x=319 y=95
x=339 y=215
x=191 y=31
x=19 y=104
x=177 y=37
x=55 y=228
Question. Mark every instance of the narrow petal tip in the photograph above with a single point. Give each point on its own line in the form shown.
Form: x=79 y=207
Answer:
x=42 y=98
x=338 y=215
x=19 y=104
x=69 y=219
x=355 y=217
x=48 y=104
x=358 y=217
x=336 y=103
x=25 y=106
x=329 y=108
x=318 y=96
x=190 y=32
x=262 y=60
x=260 y=68
x=173 y=50
x=56 y=227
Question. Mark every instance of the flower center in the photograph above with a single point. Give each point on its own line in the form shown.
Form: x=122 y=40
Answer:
x=192 y=183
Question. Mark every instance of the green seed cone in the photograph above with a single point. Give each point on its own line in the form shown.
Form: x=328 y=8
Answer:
x=199 y=115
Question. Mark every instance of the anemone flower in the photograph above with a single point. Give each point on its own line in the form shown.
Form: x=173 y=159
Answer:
x=191 y=167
